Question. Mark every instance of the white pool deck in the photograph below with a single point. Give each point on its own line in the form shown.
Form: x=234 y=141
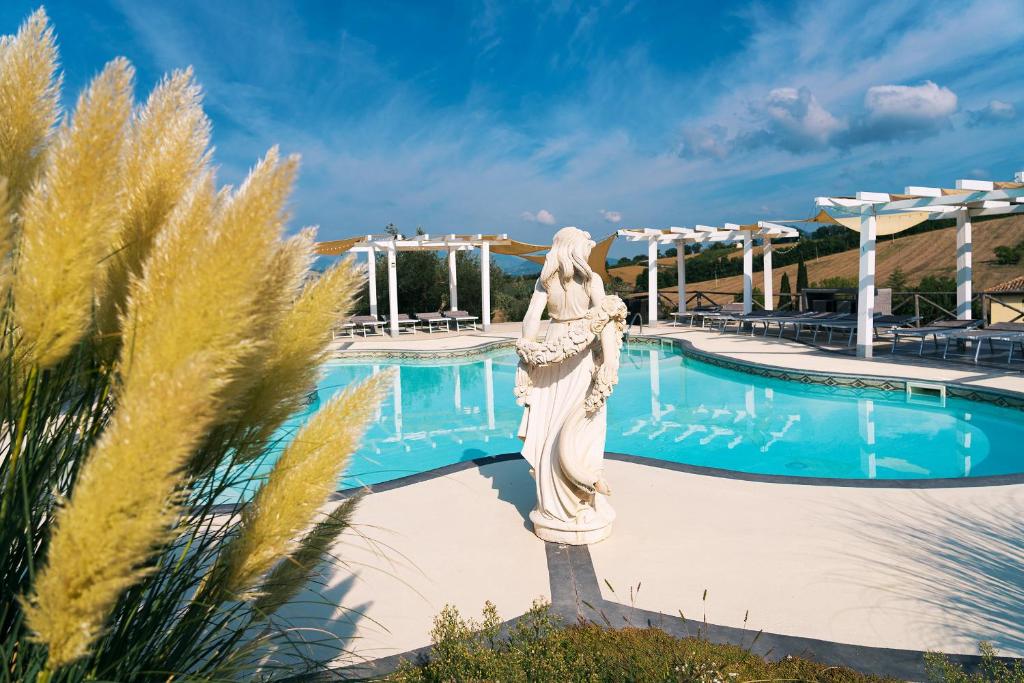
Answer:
x=912 y=568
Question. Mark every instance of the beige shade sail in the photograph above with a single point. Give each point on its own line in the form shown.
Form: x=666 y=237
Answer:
x=514 y=248
x=886 y=224
x=335 y=247
x=598 y=260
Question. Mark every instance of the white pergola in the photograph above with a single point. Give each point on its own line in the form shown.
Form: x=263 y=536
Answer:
x=390 y=245
x=742 y=235
x=880 y=213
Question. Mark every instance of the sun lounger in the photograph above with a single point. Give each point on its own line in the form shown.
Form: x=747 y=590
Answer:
x=345 y=329
x=406 y=325
x=939 y=328
x=692 y=314
x=713 y=317
x=808 y=320
x=370 y=325
x=462 y=318
x=433 y=322
x=848 y=323
x=1013 y=333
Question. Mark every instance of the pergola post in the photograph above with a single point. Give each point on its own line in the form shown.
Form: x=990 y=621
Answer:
x=866 y=287
x=681 y=273
x=652 y=281
x=485 y=284
x=748 y=272
x=769 y=285
x=371 y=278
x=392 y=291
x=453 y=289
x=964 y=271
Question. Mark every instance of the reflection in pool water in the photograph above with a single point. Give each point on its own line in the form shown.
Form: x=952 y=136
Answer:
x=682 y=410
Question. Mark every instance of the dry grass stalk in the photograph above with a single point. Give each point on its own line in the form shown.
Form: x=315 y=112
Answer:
x=299 y=484
x=29 y=100
x=67 y=220
x=190 y=314
x=299 y=344
x=168 y=149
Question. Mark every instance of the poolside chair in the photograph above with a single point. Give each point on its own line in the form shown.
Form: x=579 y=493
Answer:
x=371 y=325
x=712 y=318
x=345 y=329
x=1013 y=333
x=462 y=318
x=433 y=322
x=848 y=323
x=935 y=329
x=805 y=319
x=694 y=314
x=406 y=325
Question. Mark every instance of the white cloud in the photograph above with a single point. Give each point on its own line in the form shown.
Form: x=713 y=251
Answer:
x=795 y=121
x=543 y=216
x=612 y=216
x=704 y=142
x=902 y=112
x=994 y=113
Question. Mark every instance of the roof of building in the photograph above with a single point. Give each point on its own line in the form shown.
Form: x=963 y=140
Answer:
x=1014 y=285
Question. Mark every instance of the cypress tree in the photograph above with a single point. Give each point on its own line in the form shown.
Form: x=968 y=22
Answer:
x=801 y=275
x=785 y=289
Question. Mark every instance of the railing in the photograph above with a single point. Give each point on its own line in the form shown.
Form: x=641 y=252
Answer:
x=638 y=319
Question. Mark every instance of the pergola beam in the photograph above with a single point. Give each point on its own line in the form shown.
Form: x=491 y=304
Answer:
x=391 y=244
x=970 y=198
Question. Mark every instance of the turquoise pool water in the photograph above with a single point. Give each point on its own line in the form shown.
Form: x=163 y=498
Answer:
x=679 y=409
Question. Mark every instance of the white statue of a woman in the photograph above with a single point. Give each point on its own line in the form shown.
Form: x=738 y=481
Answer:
x=563 y=382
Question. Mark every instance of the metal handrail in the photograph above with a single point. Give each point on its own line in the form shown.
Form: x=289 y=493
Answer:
x=637 y=318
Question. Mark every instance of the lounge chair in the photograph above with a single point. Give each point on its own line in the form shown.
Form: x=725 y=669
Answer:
x=406 y=325
x=712 y=317
x=849 y=324
x=345 y=329
x=462 y=318
x=936 y=329
x=701 y=313
x=1013 y=333
x=371 y=325
x=805 y=319
x=433 y=322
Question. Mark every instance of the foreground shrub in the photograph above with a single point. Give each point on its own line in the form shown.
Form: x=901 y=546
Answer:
x=156 y=335
x=538 y=648
x=990 y=670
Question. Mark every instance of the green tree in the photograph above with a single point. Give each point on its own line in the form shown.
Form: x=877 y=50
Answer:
x=897 y=280
x=801 y=275
x=784 y=289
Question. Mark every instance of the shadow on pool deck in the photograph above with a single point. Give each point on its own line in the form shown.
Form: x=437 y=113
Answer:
x=967 y=561
x=515 y=486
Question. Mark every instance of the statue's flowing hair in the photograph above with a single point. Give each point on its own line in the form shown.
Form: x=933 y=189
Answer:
x=568 y=256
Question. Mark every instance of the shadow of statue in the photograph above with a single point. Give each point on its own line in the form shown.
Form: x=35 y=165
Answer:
x=512 y=480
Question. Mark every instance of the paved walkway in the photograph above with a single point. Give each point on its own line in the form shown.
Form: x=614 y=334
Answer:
x=824 y=570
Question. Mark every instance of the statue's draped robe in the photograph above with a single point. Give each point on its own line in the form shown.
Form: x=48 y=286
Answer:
x=563 y=388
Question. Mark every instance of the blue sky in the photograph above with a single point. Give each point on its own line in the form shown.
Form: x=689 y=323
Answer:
x=521 y=118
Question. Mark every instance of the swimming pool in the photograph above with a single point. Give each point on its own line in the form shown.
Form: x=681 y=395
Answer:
x=679 y=409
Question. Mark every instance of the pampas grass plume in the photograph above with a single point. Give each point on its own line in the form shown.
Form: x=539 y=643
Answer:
x=68 y=220
x=301 y=481
x=29 y=102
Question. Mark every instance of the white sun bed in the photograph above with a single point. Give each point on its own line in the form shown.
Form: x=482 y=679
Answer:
x=434 y=322
x=462 y=318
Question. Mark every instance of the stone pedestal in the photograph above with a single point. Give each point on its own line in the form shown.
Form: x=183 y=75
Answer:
x=596 y=527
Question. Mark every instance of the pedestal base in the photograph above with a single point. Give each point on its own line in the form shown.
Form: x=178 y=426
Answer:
x=576 y=537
